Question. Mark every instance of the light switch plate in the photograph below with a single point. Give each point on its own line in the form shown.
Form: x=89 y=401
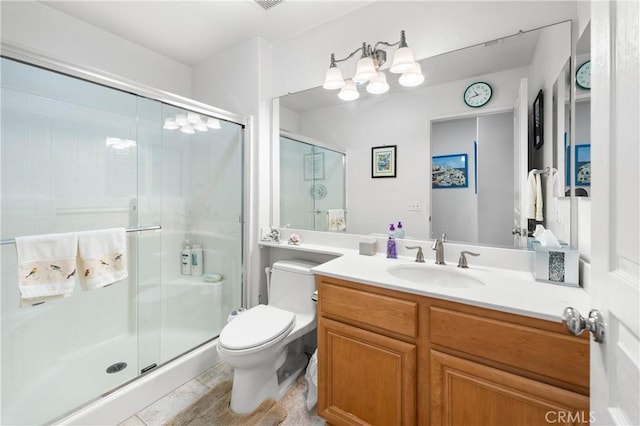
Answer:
x=414 y=206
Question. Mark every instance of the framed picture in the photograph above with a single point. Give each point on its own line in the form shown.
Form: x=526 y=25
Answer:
x=383 y=161
x=538 y=115
x=314 y=166
x=583 y=165
x=449 y=171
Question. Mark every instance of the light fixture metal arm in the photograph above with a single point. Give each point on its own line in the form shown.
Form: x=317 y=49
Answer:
x=362 y=48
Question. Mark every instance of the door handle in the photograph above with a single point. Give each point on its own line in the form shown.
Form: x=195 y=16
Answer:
x=576 y=323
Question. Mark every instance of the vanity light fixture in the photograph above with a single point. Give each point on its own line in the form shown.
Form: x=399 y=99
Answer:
x=190 y=123
x=368 y=70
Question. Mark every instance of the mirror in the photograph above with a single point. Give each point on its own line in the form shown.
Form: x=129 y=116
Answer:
x=408 y=118
x=582 y=163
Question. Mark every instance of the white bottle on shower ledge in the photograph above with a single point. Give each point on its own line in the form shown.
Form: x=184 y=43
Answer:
x=196 y=260
x=185 y=258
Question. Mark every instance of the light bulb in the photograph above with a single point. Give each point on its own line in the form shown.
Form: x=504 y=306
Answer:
x=378 y=85
x=201 y=127
x=213 y=123
x=412 y=77
x=365 y=70
x=349 y=92
x=188 y=129
x=333 y=79
x=181 y=119
x=170 y=124
x=193 y=118
x=402 y=60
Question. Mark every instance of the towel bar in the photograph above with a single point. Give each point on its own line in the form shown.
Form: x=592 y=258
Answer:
x=139 y=229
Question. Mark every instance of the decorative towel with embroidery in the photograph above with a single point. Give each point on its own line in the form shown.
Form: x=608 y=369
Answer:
x=46 y=267
x=102 y=257
x=336 y=220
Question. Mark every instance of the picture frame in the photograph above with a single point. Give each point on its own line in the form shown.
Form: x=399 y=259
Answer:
x=449 y=171
x=583 y=165
x=383 y=161
x=314 y=166
x=538 y=121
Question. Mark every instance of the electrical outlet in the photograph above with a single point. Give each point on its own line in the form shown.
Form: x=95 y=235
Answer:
x=414 y=206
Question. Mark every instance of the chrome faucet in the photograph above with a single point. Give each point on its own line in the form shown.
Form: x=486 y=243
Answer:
x=419 y=255
x=462 y=262
x=438 y=246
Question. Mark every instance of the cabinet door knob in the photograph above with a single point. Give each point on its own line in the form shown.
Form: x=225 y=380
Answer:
x=576 y=323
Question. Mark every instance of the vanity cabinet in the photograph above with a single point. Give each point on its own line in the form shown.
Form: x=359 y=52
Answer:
x=387 y=357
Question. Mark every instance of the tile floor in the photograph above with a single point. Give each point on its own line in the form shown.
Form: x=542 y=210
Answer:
x=161 y=411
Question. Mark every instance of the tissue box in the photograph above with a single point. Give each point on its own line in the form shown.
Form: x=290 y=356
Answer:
x=556 y=266
x=368 y=247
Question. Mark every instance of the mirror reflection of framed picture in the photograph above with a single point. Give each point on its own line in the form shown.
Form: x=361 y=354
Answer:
x=383 y=161
x=538 y=121
x=314 y=166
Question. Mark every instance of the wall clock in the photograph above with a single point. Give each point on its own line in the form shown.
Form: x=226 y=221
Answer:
x=583 y=76
x=477 y=94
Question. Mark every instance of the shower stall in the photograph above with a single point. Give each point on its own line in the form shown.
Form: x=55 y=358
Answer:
x=79 y=155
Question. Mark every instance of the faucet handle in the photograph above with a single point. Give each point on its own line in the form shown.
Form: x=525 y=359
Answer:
x=444 y=237
x=462 y=262
x=419 y=255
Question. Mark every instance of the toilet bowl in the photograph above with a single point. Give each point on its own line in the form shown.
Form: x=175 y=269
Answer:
x=264 y=344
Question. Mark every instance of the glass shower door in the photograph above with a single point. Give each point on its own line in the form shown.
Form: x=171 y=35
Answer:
x=69 y=163
x=202 y=191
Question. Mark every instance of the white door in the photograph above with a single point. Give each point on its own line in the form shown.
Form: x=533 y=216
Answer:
x=520 y=164
x=615 y=95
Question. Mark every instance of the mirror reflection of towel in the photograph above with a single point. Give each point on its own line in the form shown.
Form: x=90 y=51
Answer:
x=534 y=196
x=335 y=220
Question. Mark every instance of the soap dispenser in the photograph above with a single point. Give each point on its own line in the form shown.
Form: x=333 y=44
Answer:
x=391 y=243
x=185 y=258
x=400 y=231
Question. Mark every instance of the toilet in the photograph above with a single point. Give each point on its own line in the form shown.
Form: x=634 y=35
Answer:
x=264 y=344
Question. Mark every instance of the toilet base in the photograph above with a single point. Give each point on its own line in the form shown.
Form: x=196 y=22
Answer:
x=252 y=386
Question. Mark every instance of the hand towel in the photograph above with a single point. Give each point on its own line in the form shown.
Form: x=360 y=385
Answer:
x=539 y=202
x=336 y=220
x=531 y=194
x=47 y=267
x=102 y=257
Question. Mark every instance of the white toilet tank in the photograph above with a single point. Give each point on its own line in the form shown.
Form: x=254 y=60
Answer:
x=292 y=285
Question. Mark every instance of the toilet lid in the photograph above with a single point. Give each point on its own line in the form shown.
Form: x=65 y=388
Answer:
x=255 y=327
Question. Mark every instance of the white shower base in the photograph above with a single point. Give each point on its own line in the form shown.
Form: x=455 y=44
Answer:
x=74 y=370
x=138 y=394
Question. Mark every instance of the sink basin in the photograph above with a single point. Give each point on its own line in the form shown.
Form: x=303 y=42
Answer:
x=437 y=275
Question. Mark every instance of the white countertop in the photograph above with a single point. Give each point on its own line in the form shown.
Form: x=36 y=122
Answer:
x=504 y=290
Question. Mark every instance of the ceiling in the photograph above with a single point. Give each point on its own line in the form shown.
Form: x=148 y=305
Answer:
x=191 y=31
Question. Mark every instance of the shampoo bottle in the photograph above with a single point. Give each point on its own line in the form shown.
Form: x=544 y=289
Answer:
x=391 y=243
x=196 y=260
x=185 y=258
x=400 y=231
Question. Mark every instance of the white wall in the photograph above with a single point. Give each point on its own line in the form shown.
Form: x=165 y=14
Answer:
x=41 y=29
x=432 y=27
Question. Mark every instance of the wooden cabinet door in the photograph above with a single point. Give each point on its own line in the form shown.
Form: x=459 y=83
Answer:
x=464 y=392
x=364 y=377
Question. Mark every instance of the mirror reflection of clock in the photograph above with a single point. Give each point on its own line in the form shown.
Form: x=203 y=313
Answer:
x=583 y=76
x=477 y=94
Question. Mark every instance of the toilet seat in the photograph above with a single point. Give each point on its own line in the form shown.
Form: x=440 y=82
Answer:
x=256 y=327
